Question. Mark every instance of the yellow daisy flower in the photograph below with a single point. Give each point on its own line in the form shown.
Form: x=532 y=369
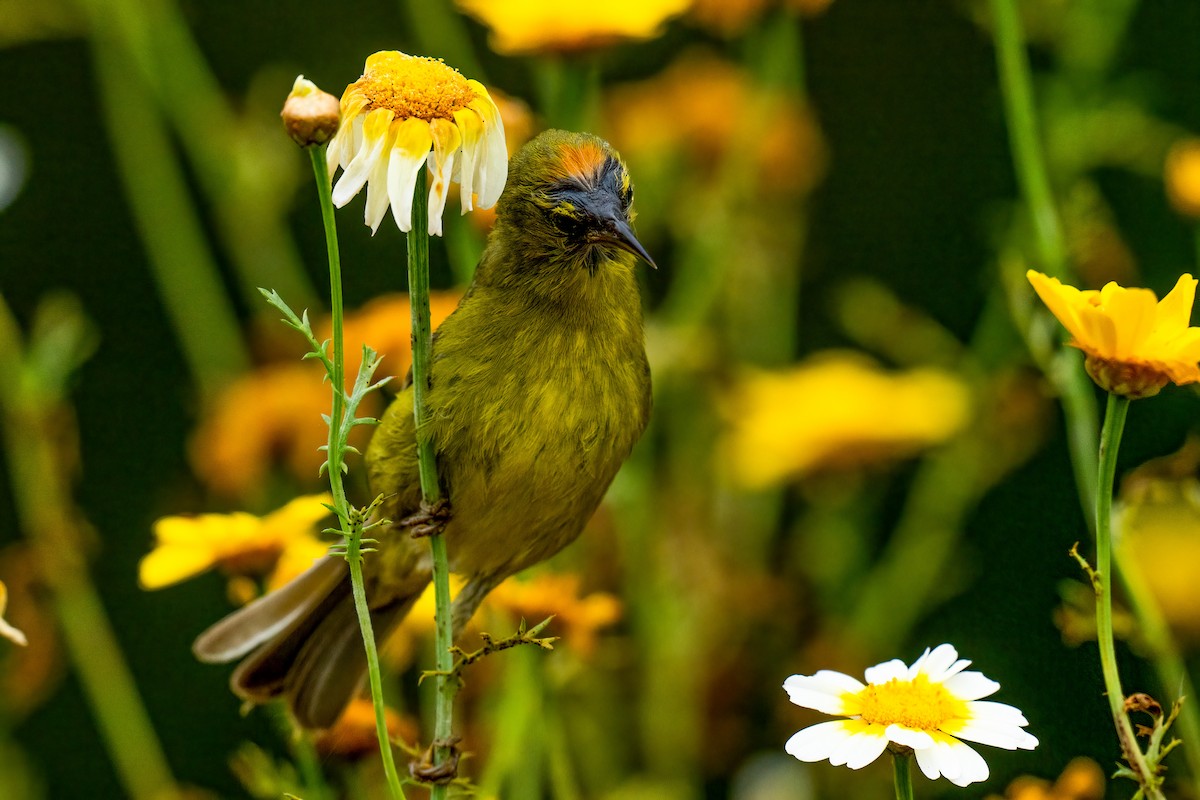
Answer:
x=536 y=26
x=1135 y=344
x=838 y=410
x=239 y=543
x=404 y=113
x=930 y=707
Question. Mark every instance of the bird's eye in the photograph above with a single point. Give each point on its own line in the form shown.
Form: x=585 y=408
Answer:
x=567 y=222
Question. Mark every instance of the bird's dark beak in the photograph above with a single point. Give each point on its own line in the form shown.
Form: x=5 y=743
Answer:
x=611 y=225
x=623 y=237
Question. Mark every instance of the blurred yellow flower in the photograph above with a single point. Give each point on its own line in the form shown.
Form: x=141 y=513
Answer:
x=838 y=409
x=540 y=26
x=1081 y=780
x=1181 y=174
x=6 y=630
x=661 y=117
x=404 y=113
x=1159 y=519
x=239 y=543
x=1134 y=343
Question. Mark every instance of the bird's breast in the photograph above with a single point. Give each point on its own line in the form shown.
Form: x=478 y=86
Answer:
x=532 y=424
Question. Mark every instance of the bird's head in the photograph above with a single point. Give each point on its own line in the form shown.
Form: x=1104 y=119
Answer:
x=567 y=208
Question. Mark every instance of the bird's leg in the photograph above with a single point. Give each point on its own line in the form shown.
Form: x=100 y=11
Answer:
x=469 y=598
x=431 y=520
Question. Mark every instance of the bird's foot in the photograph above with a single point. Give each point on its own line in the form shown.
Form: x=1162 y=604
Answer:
x=431 y=520
x=426 y=771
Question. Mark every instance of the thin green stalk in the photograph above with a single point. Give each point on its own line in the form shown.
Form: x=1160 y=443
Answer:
x=1110 y=443
x=177 y=254
x=431 y=493
x=336 y=456
x=32 y=413
x=902 y=775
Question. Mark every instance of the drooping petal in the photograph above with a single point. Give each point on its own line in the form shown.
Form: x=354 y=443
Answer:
x=446 y=141
x=492 y=168
x=959 y=762
x=377 y=188
x=410 y=150
x=375 y=134
x=471 y=127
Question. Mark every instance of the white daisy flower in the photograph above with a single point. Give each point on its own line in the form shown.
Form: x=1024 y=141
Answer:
x=930 y=707
x=404 y=113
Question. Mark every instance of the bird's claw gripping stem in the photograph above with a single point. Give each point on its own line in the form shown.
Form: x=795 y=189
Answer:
x=429 y=521
x=426 y=771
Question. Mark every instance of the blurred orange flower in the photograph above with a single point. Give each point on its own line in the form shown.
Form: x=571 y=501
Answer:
x=385 y=324
x=354 y=736
x=665 y=115
x=1081 y=780
x=836 y=410
x=578 y=617
x=274 y=413
x=1181 y=174
x=731 y=17
x=238 y=543
x=1135 y=344
x=535 y=26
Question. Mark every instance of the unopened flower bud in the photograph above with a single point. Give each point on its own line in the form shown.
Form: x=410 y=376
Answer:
x=310 y=115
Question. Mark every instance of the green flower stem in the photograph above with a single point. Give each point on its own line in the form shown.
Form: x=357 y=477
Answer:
x=1110 y=443
x=336 y=455
x=431 y=492
x=176 y=251
x=33 y=415
x=902 y=775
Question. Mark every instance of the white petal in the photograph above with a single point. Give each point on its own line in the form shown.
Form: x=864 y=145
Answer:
x=882 y=673
x=491 y=169
x=934 y=663
x=375 y=129
x=993 y=712
x=377 y=193
x=865 y=744
x=927 y=760
x=472 y=129
x=909 y=737
x=954 y=669
x=961 y=765
x=409 y=152
x=824 y=692
x=971 y=685
x=816 y=742
x=438 y=189
x=997 y=735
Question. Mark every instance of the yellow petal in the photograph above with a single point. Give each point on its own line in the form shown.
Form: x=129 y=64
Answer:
x=167 y=565
x=1063 y=301
x=1175 y=310
x=1133 y=312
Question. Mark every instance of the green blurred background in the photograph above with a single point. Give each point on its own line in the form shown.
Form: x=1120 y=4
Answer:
x=917 y=194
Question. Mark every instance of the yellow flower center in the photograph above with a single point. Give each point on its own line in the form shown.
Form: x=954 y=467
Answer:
x=917 y=704
x=413 y=86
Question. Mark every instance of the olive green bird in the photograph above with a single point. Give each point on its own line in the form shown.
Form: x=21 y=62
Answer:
x=539 y=390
